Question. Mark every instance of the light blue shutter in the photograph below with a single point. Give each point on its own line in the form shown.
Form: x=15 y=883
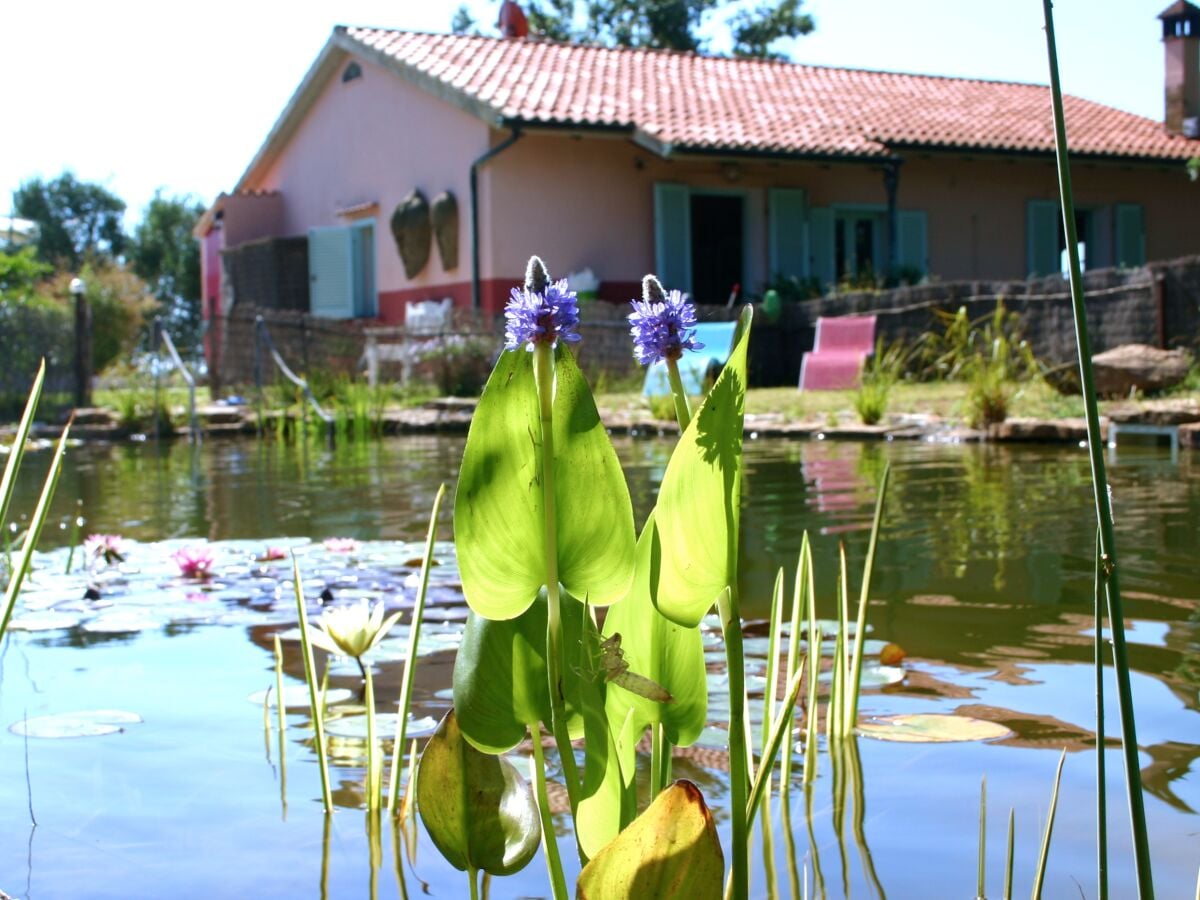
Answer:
x=331 y=272
x=913 y=240
x=1131 y=235
x=820 y=245
x=786 y=239
x=673 y=236
x=363 y=240
x=1041 y=237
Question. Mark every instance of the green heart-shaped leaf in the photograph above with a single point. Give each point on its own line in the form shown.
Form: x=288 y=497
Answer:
x=500 y=680
x=697 y=513
x=498 y=509
x=476 y=807
x=670 y=850
x=657 y=648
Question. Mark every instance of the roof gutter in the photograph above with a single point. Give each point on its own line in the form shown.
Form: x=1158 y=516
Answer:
x=482 y=160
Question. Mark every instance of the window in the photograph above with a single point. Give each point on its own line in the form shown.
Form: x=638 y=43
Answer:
x=341 y=271
x=700 y=240
x=352 y=71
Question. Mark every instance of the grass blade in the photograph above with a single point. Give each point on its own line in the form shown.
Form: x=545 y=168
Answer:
x=1101 y=775
x=771 y=748
x=982 y=867
x=800 y=600
x=1044 y=854
x=769 y=715
x=410 y=659
x=1008 y=859
x=34 y=532
x=316 y=700
x=1116 y=615
x=17 y=453
x=851 y=718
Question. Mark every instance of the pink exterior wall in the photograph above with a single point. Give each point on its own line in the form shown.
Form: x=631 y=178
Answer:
x=590 y=202
x=250 y=217
x=372 y=140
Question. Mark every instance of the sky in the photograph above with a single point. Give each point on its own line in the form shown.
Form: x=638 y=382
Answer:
x=146 y=96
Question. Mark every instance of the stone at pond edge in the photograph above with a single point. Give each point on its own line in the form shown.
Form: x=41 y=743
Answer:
x=1139 y=366
x=670 y=851
x=412 y=232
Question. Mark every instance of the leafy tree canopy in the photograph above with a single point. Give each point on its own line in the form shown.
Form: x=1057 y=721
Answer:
x=164 y=254
x=77 y=220
x=669 y=24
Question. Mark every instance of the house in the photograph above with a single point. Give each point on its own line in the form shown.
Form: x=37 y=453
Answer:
x=711 y=172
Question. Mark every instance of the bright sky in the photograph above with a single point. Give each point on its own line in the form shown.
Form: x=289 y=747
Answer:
x=145 y=94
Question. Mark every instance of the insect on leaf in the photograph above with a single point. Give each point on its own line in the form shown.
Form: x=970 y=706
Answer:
x=617 y=671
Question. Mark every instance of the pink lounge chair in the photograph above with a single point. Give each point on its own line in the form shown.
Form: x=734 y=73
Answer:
x=841 y=346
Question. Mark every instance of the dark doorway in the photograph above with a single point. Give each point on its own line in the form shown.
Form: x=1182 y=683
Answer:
x=716 y=246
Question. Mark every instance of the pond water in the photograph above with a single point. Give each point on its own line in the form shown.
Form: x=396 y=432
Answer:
x=984 y=577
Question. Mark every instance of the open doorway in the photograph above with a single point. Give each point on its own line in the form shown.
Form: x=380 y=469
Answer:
x=717 y=245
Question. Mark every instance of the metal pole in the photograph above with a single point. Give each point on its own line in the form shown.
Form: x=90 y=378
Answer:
x=258 y=377
x=155 y=343
x=83 y=351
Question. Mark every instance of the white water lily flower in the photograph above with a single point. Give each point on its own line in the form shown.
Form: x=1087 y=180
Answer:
x=352 y=630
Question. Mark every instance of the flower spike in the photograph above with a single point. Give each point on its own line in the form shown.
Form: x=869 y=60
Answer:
x=663 y=324
x=542 y=312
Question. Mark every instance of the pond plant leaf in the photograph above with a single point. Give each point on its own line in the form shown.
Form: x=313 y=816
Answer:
x=498 y=509
x=478 y=810
x=500 y=681
x=697 y=514
x=86 y=723
x=296 y=696
x=932 y=728
x=670 y=851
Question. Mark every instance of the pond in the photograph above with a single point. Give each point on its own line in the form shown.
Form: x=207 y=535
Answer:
x=984 y=577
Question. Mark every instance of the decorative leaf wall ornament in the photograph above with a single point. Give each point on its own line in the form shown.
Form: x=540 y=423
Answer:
x=412 y=232
x=444 y=214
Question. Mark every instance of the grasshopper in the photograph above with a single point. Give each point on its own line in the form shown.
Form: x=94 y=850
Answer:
x=616 y=670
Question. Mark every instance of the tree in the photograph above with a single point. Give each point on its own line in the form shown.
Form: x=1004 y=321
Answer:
x=463 y=22
x=76 y=220
x=164 y=254
x=669 y=24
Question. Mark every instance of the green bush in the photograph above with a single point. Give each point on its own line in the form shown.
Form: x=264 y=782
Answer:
x=880 y=374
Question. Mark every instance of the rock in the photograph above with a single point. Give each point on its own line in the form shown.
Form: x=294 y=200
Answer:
x=1157 y=412
x=1189 y=435
x=1040 y=430
x=1139 y=366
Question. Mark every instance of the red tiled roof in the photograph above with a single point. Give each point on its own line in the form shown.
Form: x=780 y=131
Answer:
x=699 y=103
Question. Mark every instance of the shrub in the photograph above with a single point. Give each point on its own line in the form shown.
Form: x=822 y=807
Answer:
x=880 y=374
x=459 y=364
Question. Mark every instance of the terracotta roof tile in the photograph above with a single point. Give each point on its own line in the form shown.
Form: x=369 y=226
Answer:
x=709 y=103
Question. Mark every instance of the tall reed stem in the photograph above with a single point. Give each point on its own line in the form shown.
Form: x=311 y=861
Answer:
x=739 y=764
x=537 y=764
x=316 y=700
x=543 y=373
x=1116 y=615
x=1101 y=769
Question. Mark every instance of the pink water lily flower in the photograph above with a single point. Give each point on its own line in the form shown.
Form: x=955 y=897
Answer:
x=341 y=545
x=109 y=548
x=194 y=562
x=273 y=553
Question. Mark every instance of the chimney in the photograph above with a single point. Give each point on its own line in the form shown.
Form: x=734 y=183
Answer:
x=512 y=22
x=1181 y=39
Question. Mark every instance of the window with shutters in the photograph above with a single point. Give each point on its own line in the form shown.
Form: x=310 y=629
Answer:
x=700 y=240
x=341 y=271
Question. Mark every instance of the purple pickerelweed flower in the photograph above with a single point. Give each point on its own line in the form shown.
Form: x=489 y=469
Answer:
x=541 y=312
x=194 y=562
x=663 y=325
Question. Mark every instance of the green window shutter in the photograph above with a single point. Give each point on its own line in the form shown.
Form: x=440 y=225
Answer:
x=1041 y=237
x=673 y=236
x=331 y=272
x=786 y=239
x=1131 y=235
x=820 y=245
x=913 y=239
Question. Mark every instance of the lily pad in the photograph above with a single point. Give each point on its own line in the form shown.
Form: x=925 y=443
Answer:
x=933 y=728
x=86 y=723
x=355 y=727
x=44 y=621
x=121 y=623
x=295 y=696
x=873 y=675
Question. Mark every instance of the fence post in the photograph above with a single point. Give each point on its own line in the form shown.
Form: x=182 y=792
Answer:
x=155 y=344
x=83 y=344
x=258 y=375
x=372 y=353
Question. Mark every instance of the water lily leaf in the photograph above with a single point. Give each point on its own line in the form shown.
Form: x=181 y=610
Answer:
x=43 y=621
x=872 y=675
x=670 y=850
x=355 y=727
x=478 y=810
x=498 y=512
x=698 y=502
x=657 y=648
x=296 y=696
x=932 y=728
x=87 y=723
x=500 y=681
